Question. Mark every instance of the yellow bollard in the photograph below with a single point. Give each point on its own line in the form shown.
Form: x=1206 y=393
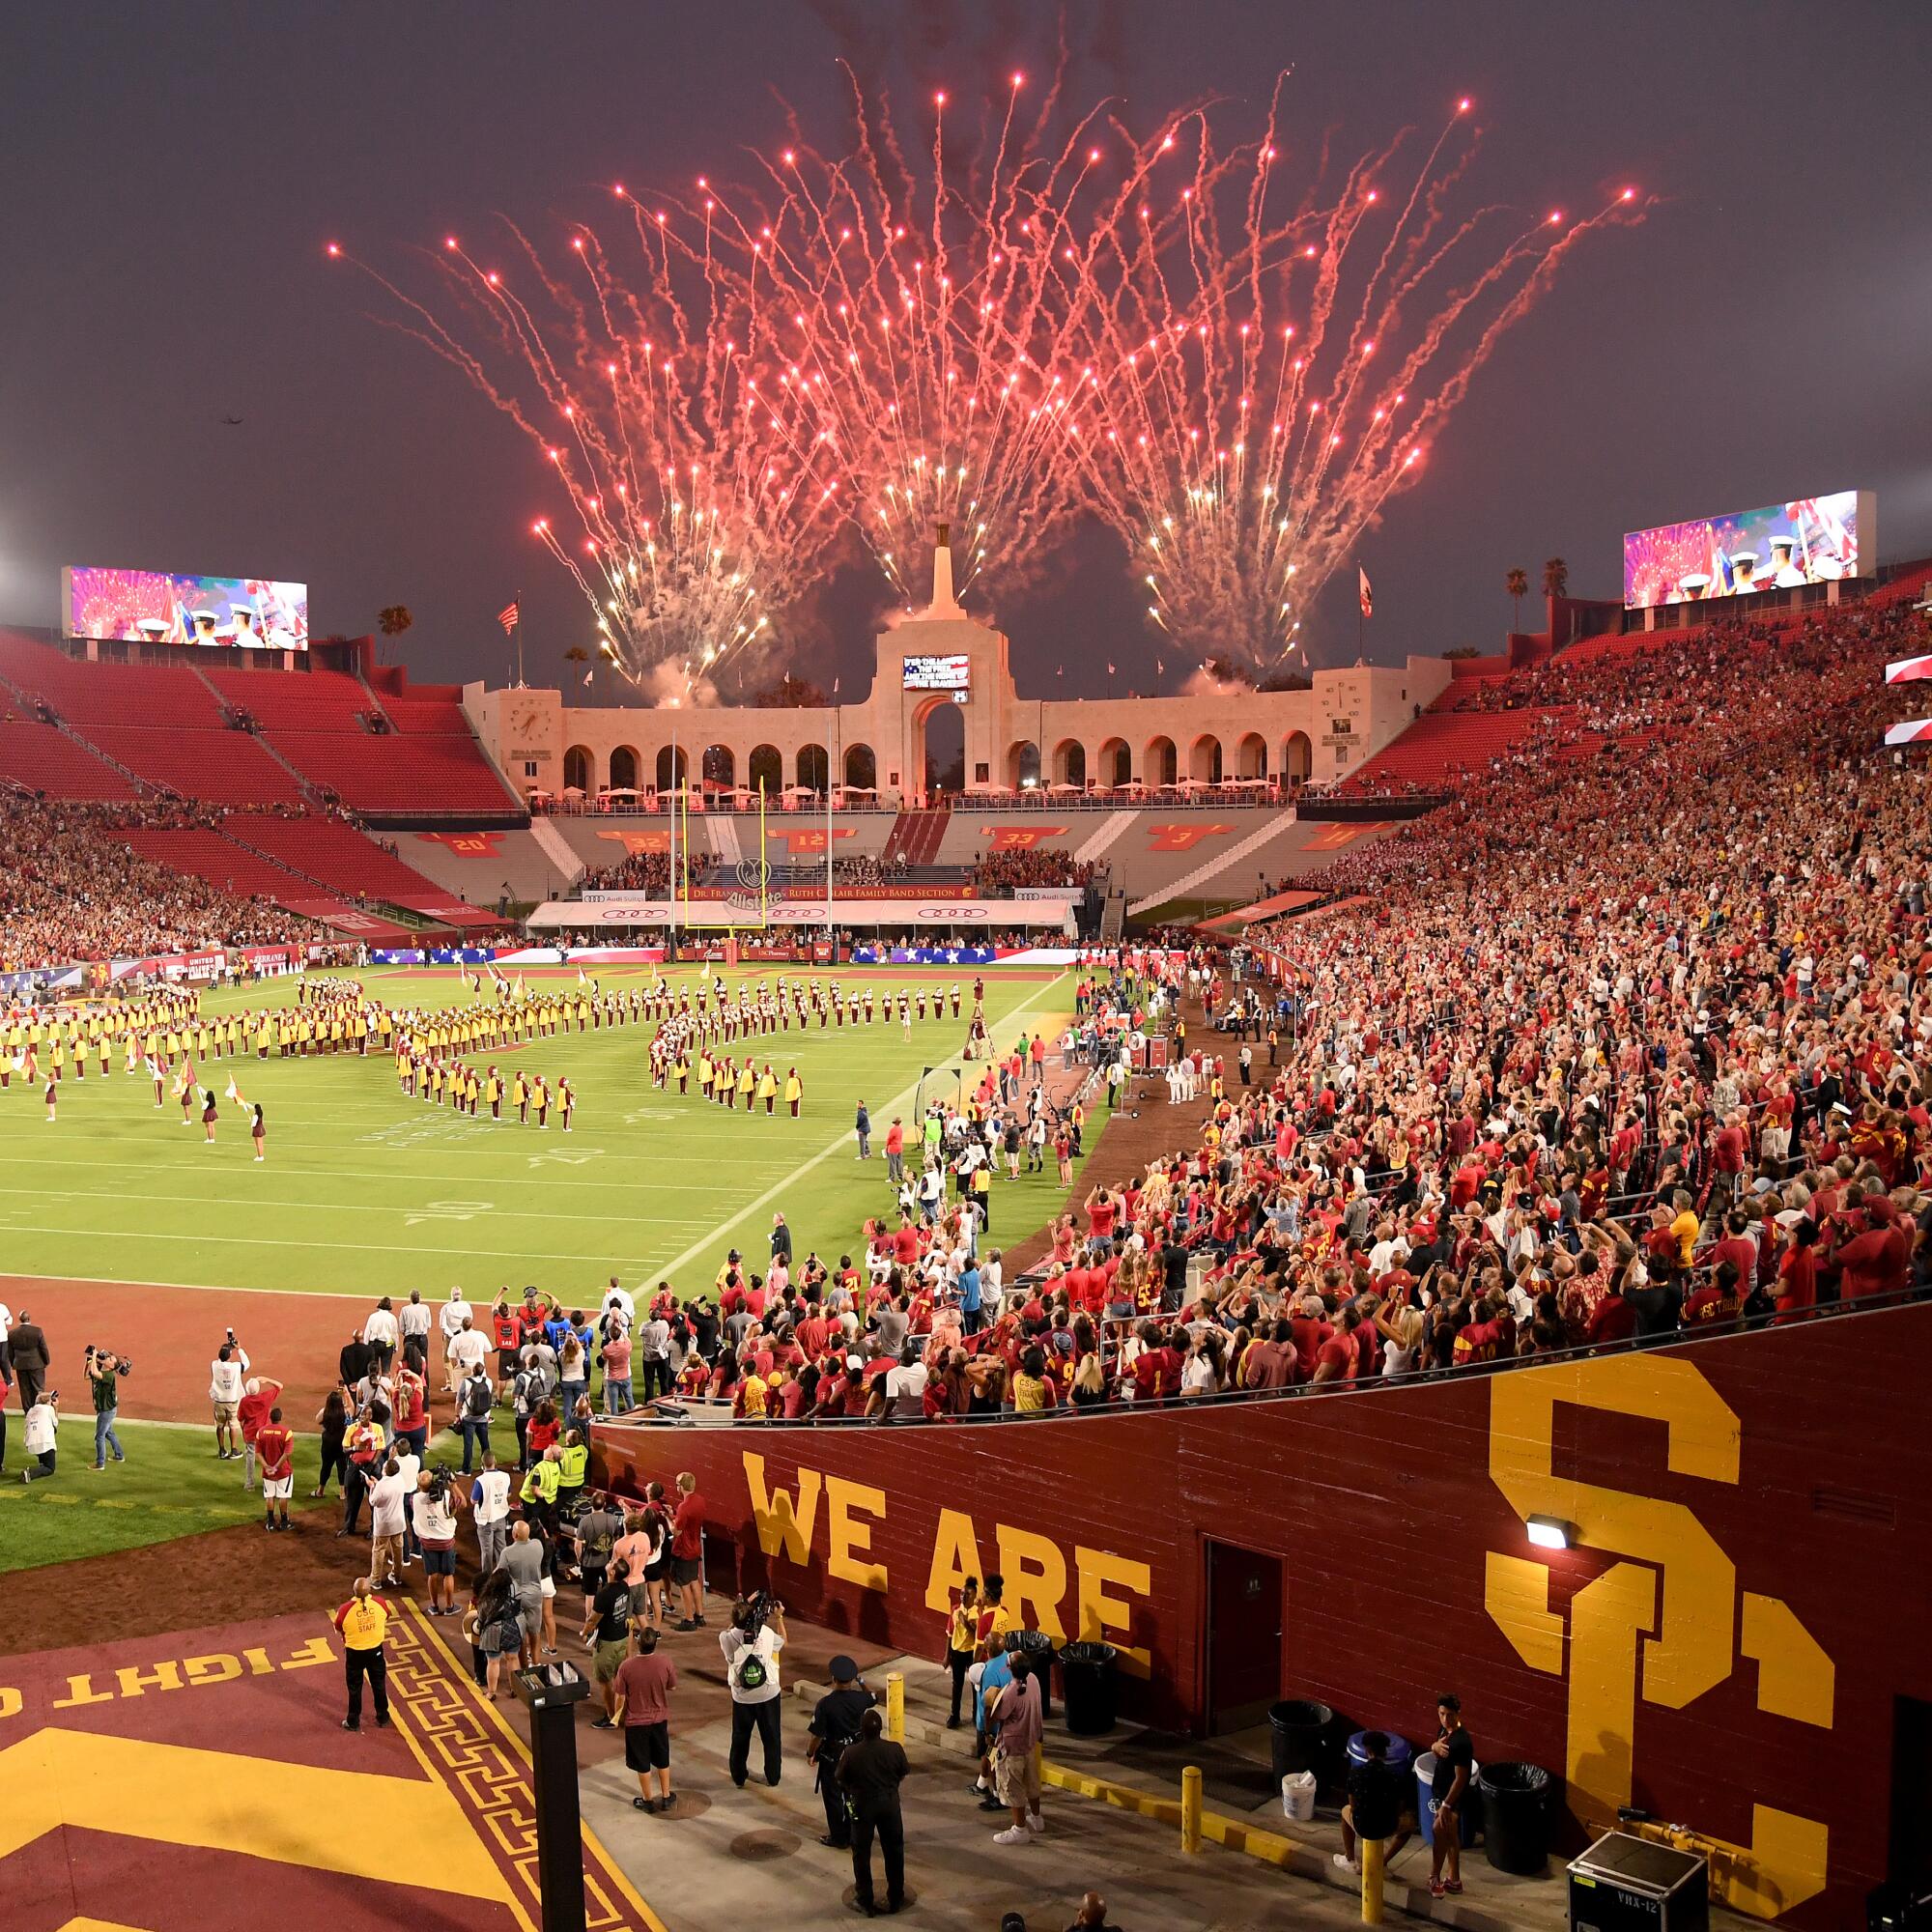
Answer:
x=1190 y=1808
x=1370 y=1851
x=896 y=1706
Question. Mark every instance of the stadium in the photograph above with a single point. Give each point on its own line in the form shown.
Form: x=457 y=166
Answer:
x=1289 y=1294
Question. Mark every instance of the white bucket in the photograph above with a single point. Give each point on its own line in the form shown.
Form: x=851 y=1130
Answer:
x=1297 y=1796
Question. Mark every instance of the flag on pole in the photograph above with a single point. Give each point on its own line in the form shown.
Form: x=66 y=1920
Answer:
x=230 y=1091
x=587 y=677
x=508 y=617
x=1110 y=671
x=1368 y=594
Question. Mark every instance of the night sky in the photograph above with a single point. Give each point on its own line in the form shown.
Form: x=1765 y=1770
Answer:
x=170 y=173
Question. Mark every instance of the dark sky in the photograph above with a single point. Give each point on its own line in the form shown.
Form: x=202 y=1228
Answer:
x=169 y=174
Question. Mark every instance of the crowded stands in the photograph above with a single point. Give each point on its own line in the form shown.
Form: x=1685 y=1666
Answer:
x=73 y=887
x=1010 y=868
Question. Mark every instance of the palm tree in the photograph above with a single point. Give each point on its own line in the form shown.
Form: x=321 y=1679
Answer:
x=393 y=619
x=577 y=655
x=1517 y=583
x=1555 y=578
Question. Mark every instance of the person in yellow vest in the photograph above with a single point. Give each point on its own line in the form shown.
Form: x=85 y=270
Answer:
x=704 y=1076
x=363 y=1622
x=57 y=1055
x=520 y=1096
x=572 y=1466
x=683 y=1071
x=542 y=1481
x=566 y=1101
x=794 y=1090
x=747 y=1081
x=768 y=1088
x=493 y=1093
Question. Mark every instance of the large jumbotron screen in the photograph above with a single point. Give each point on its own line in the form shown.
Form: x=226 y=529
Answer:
x=160 y=607
x=1811 y=540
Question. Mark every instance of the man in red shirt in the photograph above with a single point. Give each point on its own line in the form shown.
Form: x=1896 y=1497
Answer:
x=274 y=1446
x=1102 y=1210
x=1336 y=1359
x=1879 y=1260
x=258 y=1397
x=687 y=1554
x=1309 y=1331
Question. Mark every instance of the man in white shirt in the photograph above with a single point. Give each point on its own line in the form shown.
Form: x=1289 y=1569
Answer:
x=380 y=1333
x=468 y=1351
x=224 y=1394
x=387 y=1500
x=489 y=1508
x=409 y=1466
x=617 y=1298
x=41 y=1434
x=414 y=1320
x=452 y=1318
x=750 y=1648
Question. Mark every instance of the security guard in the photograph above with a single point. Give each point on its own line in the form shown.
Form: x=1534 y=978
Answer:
x=541 y=1482
x=835 y=1724
x=364 y=1622
x=573 y=1465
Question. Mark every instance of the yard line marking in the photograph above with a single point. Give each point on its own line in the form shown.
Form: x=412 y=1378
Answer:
x=402 y=1250
x=325 y=1207
x=899 y=1103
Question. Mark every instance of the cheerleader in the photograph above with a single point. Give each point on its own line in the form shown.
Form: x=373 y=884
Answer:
x=208 y=1114
x=258 y=1132
x=155 y=1068
x=53 y=1098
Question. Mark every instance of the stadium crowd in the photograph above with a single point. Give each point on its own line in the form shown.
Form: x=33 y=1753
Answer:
x=70 y=889
x=648 y=872
x=1014 y=867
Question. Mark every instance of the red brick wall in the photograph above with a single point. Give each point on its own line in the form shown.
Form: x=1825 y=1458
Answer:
x=1382 y=1506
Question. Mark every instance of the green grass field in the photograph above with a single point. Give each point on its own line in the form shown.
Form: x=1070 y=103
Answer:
x=171 y=1485
x=366 y=1191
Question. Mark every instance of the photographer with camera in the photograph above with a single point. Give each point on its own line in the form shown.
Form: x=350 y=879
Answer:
x=42 y=1435
x=750 y=1648
x=104 y=1370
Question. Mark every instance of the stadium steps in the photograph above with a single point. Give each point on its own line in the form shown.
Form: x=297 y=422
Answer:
x=1188 y=885
x=558 y=849
x=916 y=835
x=43 y=758
x=1111 y=827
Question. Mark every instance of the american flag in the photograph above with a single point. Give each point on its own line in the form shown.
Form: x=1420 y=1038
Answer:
x=507 y=616
x=1367 y=592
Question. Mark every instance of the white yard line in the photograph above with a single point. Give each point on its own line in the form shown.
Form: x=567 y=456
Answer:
x=899 y=1103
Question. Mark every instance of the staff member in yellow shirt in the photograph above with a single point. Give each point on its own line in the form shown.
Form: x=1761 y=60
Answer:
x=364 y=1622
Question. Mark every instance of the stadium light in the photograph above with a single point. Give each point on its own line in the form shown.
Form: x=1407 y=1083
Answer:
x=1550 y=1532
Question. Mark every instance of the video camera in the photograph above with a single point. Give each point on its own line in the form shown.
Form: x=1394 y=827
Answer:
x=756 y=1611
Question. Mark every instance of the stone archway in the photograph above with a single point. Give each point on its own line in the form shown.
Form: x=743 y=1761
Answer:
x=1297 y=757
x=577 y=768
x=672 y=767
x=1251 y=756
x=862 y=766
x=1070 y=762
x=1115 y=764
x=1162 y=764
x=813 y=767
x=939 y=741
x=625 y=765
x=764 y=770
x=1203 y=761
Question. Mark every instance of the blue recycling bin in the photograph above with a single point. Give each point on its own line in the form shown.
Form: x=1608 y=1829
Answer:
x=1396 y=1757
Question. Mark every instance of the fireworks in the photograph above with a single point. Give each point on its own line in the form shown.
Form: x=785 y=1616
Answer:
x=695 y=515
x=1253 y=402
x=900 y=306
x=1000 y=334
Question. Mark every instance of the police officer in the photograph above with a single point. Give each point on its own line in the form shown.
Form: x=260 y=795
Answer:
x=835 y=1724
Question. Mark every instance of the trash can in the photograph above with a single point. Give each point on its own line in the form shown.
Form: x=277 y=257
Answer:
x=1087 y=1682
x=1425 y=1779
x=1301 y=1736
x=1516 y=1817
x=1397 y=1756
x=1037 y=1647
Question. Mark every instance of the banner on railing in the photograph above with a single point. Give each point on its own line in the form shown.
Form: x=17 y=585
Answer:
x=743 y=911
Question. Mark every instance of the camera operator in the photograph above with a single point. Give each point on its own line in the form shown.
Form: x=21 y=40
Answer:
x=750 y=1648
x=104 y=1370
x=42 y=1435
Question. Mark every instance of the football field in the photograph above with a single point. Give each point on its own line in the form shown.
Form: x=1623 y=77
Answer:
x=366 y=1191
